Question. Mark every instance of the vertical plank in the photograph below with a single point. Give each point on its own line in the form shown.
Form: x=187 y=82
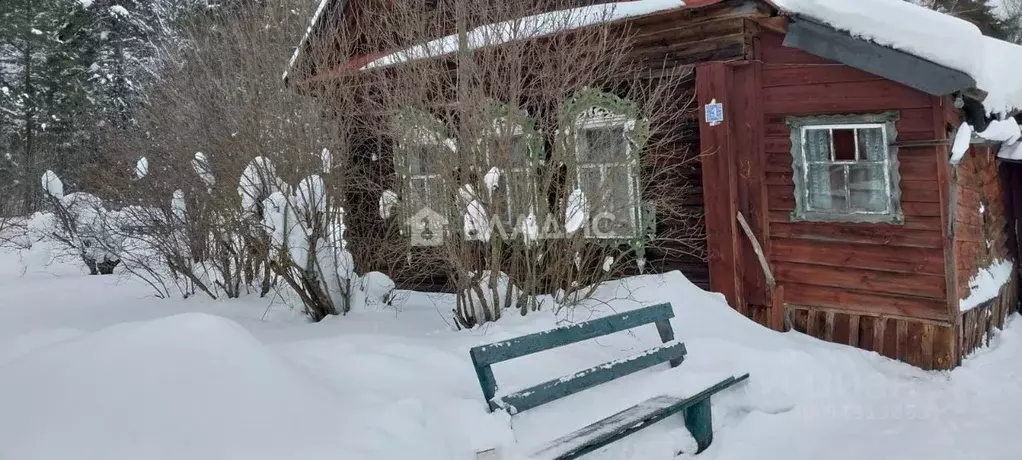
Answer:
x=828 y=326
x=663 y=327
x=915 y=344
x=750 y=160
x=929 y=334
x=867 y=325
x=853 y=330
x=841 y=332
x=879 y=332
x=720 y=187
x=903 y=340
x=891 y=338
x=777 y=309
x=944 y=345
x=800 y=320
x=812 y=324
x=945 y=187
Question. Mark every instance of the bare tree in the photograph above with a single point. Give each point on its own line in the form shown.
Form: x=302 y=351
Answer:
x=484 y=130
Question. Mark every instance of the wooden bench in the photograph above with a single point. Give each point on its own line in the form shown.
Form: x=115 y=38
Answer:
x=695 y=409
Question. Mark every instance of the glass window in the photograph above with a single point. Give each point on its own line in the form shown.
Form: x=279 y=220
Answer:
x=845 y=171
x=607 y=170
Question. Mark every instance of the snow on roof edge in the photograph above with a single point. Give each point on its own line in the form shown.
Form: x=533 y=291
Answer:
x=951 y=42
x=529 y=27
x=313 y=23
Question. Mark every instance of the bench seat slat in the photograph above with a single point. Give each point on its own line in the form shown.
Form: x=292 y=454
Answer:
x=528 y=344
x=624 y=423
x=558 y=388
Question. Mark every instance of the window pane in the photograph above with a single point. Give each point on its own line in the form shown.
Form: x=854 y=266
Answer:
x=827 y=188
x=817 y=145
x=519 y=152
x=844 y=144
x=424 y=159
x=520 y=195
x=872 y=145
x=867 y=188
x=621 y=204
x=418 y=198
x=602 y=145
x=591 y=185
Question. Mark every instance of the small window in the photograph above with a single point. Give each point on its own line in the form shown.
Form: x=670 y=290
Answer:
x=607 y=169
x=846 y=168
x=421 y=153
x=513 y=146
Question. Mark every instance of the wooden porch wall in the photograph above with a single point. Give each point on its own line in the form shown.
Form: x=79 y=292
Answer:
x=877 y=269
x=976 y=325
x=982 y=234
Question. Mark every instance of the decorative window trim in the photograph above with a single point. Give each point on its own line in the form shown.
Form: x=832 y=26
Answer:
x=504 y=118
x=800 y=125
x=590 y=109
x=416 y=128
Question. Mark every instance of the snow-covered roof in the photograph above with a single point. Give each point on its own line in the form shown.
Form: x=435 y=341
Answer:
x=996 y=65
x=529 y=27
x=313 y=24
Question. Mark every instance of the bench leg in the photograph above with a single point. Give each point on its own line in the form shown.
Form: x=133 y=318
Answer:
x=699 y=422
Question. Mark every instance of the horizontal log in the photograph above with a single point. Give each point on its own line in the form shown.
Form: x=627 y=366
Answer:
x=782 y=198
x=904 y=284
x=911 y=222
x=842 y=98
x=864 y=256
x=812 y=74
x=852 y=300
x=881 y=234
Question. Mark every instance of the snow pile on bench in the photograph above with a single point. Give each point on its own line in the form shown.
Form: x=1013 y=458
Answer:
x=996 y=65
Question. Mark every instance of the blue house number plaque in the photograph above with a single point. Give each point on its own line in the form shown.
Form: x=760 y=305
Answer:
x=714 y=113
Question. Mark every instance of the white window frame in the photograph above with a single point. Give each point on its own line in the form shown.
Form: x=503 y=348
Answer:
x=597 y=118
x=886 y=163
x=499 y=128
x=418 y=136
x=886 y=122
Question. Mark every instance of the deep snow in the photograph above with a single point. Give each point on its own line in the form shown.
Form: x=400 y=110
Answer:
x=92 y=367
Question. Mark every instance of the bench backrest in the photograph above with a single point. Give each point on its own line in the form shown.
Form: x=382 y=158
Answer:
x=484 y=356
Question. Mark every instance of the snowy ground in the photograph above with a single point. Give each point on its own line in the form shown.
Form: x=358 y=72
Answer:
x=94 y=368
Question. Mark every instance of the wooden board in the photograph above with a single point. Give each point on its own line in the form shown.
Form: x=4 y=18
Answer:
x=555 y=389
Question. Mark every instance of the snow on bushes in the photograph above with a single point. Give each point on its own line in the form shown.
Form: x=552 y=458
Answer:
x=79 y=224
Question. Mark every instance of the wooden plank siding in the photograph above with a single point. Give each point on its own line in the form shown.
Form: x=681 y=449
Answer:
x=880 y=287
x=982 y=235
x=869 y=268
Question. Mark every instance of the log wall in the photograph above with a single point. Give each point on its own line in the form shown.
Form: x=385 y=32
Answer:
x=982 y=236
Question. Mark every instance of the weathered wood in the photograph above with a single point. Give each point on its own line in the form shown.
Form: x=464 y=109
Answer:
x=865 y=302
x=853 y=255
x=853 y=330
x=906 y=284
x=828 y=326
x=892 y=64
x=777 y=309
x=540 y=341
x=879 y=333
x=624 y=423
x=752 y=191
x=926 y=348
x=858 y=233
x=555 y=389
x=720 y=187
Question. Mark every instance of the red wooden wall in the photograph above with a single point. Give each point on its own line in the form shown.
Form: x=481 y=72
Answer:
x=881 y=287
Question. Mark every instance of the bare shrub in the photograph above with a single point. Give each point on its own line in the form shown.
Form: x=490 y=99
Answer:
x=496 y=131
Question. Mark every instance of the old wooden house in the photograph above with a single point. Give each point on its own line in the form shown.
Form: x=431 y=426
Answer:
x=831 y=129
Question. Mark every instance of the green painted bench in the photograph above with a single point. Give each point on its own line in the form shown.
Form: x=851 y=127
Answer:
x=695 y=409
